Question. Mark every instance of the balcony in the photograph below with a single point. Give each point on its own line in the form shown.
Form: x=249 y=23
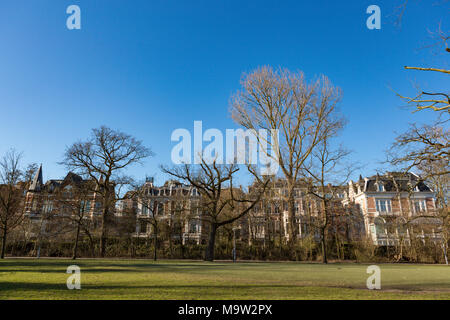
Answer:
x=386 y=214
x=390 y=239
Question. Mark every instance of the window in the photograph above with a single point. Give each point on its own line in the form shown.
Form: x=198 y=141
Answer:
x=160 y=209
x=380 y=187
x=143 y=226
x=379 y=226
x=383 y=205
x=193 y=227
x=420 y=206
x=48 y=206
x=34 y=205
x=144 y=210
x=85 y=206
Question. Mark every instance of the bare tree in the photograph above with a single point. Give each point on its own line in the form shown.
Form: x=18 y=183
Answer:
x=12 y=188
x=149 y=207
x=324 y=167
x=440 y=183
x=221 y=202
x=427 y=147
x=103 y=158
x=422 y=145
x=50 y=224
x=75 y=207
x=438 y=100
x=11 y=212
x=283 y=100
x=183 y=209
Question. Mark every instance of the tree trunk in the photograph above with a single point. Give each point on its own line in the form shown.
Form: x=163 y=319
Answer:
x=444 y=248
x=170 y=242
x=91 y=244
x=324 y=247
x=182 y=249
x=75 y=247
x=103 y=233
x=209 y=253
x=292 y=226
x=291 y=212
x=3 y=242
x=155 y=244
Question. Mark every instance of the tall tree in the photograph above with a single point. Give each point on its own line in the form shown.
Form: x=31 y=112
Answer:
x=103 y=158
x=221 y=202
x=427 y=147
x=325 y=166
x=430 y=142
x=11 y=195
x=301 y=111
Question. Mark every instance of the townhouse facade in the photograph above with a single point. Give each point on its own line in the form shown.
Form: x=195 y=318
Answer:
x=173 y=205
x=270 y=217
x=47 y=202
x=395 y=207
x=387 y=209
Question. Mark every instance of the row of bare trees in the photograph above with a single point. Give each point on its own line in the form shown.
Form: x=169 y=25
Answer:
x=304 y=113
x=307 y=119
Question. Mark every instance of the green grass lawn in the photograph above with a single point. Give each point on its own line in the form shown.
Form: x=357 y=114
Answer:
x=144 y=279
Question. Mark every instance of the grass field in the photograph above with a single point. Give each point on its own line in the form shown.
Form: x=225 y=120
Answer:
x=143 y=279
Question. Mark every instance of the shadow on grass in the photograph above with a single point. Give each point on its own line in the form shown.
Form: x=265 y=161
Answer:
x=34 y=286
x=103 y=266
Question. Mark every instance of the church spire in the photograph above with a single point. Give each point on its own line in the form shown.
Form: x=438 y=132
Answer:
x=37 y=180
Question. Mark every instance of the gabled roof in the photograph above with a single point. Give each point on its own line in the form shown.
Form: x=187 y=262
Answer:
x=37 y=182
x=72 y=178
x=51 y=185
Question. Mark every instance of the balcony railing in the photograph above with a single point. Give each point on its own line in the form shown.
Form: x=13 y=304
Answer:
x=386 y=213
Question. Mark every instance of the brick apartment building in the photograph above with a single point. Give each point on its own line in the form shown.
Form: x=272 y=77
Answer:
x=174 y=205
x=269 y=218
x=46 y=202
x=384 y=208
x=395 y=207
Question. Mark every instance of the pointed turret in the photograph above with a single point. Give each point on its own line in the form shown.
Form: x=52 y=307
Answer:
x=37 y=182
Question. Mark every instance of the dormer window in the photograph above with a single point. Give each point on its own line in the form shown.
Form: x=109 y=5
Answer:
x=380 y=187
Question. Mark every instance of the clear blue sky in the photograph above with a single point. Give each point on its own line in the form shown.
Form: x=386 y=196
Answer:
x=149 y=67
